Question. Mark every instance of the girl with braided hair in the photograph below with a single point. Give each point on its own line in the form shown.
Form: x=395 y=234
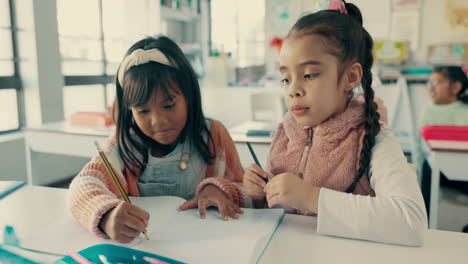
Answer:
x=331 y=156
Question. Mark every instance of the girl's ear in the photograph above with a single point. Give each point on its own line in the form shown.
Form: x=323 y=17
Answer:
x=353 y=77
x=455 y=88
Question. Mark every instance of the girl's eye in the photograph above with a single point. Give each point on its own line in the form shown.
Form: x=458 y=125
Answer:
x=311 y=75
x=144 y=111
x=284 y=81
x=169 y=106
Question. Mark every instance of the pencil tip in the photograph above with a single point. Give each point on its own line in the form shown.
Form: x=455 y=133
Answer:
x=97 y=145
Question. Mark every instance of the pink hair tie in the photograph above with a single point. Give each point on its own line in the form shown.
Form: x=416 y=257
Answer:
x=338 y=5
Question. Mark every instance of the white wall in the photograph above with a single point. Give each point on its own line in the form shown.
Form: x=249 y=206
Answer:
x=276 y=27
x=434 y=23
x=435 y=27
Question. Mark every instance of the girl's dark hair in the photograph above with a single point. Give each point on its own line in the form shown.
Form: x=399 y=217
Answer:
x=455 y=74
x=139 y=84
x=346 y=39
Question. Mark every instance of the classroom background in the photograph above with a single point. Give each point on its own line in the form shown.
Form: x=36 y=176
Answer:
x=58 y=59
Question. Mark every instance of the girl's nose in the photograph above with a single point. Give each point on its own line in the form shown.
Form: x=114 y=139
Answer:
x=296 y=90
x=159 y=121
x=155 y=120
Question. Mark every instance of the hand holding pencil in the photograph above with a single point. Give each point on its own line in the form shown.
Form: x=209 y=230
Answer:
x=126 y=221
x=255 y=178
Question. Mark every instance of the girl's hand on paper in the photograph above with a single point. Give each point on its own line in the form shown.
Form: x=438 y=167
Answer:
x=290 y=191
x=213 y=196
x=254 y=182
x=125 y=222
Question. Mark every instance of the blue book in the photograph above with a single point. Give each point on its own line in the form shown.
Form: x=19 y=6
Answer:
x=10 y=257
x=7 y=187
x=19 y=255
x=259 y=133
x=107 y=253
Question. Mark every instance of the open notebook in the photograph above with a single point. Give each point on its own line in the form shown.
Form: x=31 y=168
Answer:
x=179 y=235
x=182 y=235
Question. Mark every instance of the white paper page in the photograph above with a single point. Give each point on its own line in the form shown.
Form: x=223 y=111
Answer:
x=58 y=231
x=188 y=238
x=160 y=208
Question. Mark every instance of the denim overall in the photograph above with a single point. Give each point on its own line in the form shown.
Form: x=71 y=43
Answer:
x=164 y=177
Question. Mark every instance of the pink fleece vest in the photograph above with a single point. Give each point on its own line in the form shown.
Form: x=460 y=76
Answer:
x=331 y=158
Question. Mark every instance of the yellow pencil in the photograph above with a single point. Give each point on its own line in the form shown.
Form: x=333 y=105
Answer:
x=114 y=177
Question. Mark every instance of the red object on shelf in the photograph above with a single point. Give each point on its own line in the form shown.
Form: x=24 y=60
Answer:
x=91 y=119
x=277 y=43
x=447 y=138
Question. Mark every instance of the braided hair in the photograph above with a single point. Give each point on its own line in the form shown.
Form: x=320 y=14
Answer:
x=347 y=40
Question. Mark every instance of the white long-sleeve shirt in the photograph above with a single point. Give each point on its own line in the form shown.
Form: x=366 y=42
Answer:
x=395 y=215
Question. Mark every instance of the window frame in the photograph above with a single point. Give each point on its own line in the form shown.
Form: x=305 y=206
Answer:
x=14 y=81
x=211 y=50
x=100 y=79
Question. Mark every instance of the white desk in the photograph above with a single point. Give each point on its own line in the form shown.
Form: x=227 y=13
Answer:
x=34 y=209
x=261 y=145
x=455 y=167
x=60 y=138
x=65 y=139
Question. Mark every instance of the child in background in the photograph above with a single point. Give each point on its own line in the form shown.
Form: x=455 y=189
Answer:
x=331 y=156
x=448 y=88
x=163 y=145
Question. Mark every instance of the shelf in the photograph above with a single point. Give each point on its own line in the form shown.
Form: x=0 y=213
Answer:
x=190 y=48
x=408 y=77
x=184 y=15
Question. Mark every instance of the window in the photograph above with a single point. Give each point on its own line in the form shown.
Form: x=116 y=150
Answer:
x=83 y=58
x=75 y=96
x=9 y=110
x=124 y=23
x=238 y=27
x=92 y=48
x=9 y=78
